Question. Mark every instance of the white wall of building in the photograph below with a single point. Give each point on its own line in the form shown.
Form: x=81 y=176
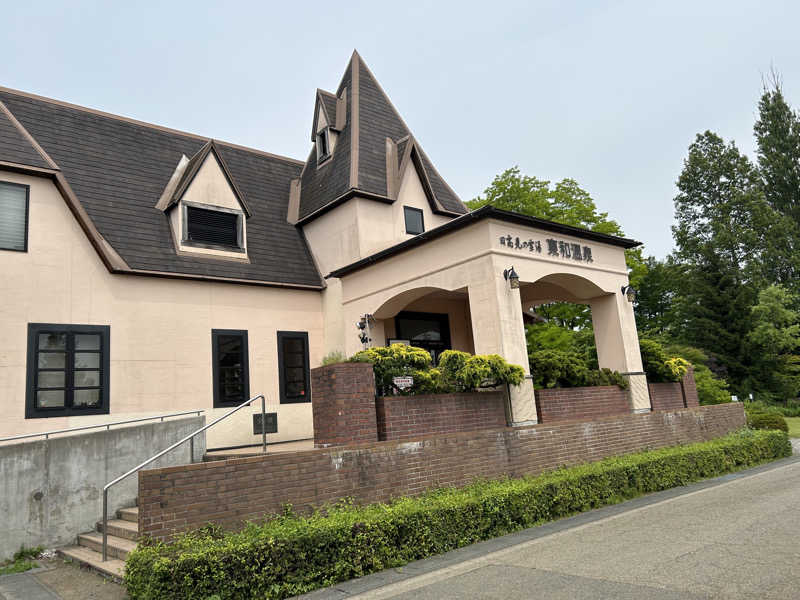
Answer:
x=160 y=328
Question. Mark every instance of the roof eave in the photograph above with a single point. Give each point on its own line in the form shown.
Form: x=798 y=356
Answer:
x=485 y=212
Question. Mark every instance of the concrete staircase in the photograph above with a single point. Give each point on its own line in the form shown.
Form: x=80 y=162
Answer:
x=123 y=533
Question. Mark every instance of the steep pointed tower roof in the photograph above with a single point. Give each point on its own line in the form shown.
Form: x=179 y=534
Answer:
x=358 y=165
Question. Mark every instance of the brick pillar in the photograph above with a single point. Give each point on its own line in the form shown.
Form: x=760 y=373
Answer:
x=689 y=389
x=343 y=404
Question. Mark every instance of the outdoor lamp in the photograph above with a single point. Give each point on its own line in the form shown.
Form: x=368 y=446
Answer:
x=629 y=293
x=511 y=276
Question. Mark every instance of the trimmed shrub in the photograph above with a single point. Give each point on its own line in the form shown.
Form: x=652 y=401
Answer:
x=767 y=421
x=333 y=358
x=556 y=368
x=291 y=555
x=457 y=371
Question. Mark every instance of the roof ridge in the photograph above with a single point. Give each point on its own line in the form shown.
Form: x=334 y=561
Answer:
x=408 y=129
x=133 y=121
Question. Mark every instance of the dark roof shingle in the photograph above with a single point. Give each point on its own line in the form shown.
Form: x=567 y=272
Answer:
x=119 y=168
x=15 y=147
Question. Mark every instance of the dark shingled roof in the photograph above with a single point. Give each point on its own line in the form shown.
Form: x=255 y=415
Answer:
x=15 y=147
x=118 y=169
x=329 y=101
x=322 y=185
x=377 y=120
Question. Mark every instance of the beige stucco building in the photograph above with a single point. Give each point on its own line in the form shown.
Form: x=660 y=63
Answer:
x=148 y=271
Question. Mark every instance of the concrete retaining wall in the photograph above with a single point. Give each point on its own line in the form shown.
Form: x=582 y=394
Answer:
x=52 y=490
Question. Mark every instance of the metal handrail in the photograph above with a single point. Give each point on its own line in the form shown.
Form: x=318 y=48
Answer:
x=47 y=434
x=189 y=438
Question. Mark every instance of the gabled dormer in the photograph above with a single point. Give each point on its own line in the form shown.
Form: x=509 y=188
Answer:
x=207 y=211
x=329 y=111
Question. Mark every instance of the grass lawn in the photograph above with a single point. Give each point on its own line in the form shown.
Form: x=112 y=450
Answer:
x=794 y=426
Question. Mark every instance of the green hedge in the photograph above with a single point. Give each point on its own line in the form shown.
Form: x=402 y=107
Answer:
x=291 y=554
x=767 y=421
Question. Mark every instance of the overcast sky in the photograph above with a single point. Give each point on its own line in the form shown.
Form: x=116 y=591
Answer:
x=610 y=94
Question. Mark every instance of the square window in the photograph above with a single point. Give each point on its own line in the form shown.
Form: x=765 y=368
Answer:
x=293 y=366
x=13 y=216
x=414 y=221
x=61 y=380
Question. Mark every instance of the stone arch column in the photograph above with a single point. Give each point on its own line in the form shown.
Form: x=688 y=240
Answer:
x=498 y=328
x=618 y=345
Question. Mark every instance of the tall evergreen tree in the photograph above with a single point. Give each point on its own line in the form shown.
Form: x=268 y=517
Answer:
x=719 y=198
x=777 y=133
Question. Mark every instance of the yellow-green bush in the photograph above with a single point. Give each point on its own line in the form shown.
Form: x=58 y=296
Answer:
x=457 y=371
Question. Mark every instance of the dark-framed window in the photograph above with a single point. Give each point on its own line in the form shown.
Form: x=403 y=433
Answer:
x=293 y=367
x=68 y=371
x=216 y=228
x=430 y=331
x=231 y=366
x=14 y=201
x=414 y=221
x=323 y=145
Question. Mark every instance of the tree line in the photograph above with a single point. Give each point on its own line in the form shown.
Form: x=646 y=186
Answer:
x=728 y=297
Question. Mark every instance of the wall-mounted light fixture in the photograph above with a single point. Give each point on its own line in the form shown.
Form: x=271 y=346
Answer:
x=629 y=293
x=363 y=327
x=510 y=275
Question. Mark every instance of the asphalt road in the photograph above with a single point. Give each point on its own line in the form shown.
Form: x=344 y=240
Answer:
x=733 y=537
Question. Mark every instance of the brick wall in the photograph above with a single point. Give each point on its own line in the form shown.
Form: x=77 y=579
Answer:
x=587 y=403
x=690 y=389
x=409 y=417
x=232 y=491
x=666 y=396
x=674 y=396
x=343 y=404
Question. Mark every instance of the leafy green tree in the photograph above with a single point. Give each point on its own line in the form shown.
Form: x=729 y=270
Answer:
x=657 y=297
x=722 y=240
x=565 y=202
x=773 y=344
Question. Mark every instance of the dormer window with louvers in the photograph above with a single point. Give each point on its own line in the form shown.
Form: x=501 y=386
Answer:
x=218 y=228
x=206 y=209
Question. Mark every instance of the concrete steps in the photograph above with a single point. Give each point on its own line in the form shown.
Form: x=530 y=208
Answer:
x=123 y=533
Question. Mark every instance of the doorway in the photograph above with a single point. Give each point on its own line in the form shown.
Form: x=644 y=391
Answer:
x=430 y=331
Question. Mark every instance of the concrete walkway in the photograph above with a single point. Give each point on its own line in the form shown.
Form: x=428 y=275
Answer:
x=731 y=537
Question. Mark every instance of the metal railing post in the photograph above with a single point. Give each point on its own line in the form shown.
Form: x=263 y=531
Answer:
x=189 y=438
x=105 y=524
x=191 y=450
x=264 y=424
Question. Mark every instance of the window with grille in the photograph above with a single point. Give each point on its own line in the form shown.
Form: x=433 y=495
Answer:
x=67 y=370
x=231 y=366
x=214 y=228
x=293 y=366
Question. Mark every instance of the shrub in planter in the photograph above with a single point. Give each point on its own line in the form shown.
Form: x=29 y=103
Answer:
x=767 y=421
x=457 y=371
x=557 y=368
x=465 y=372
